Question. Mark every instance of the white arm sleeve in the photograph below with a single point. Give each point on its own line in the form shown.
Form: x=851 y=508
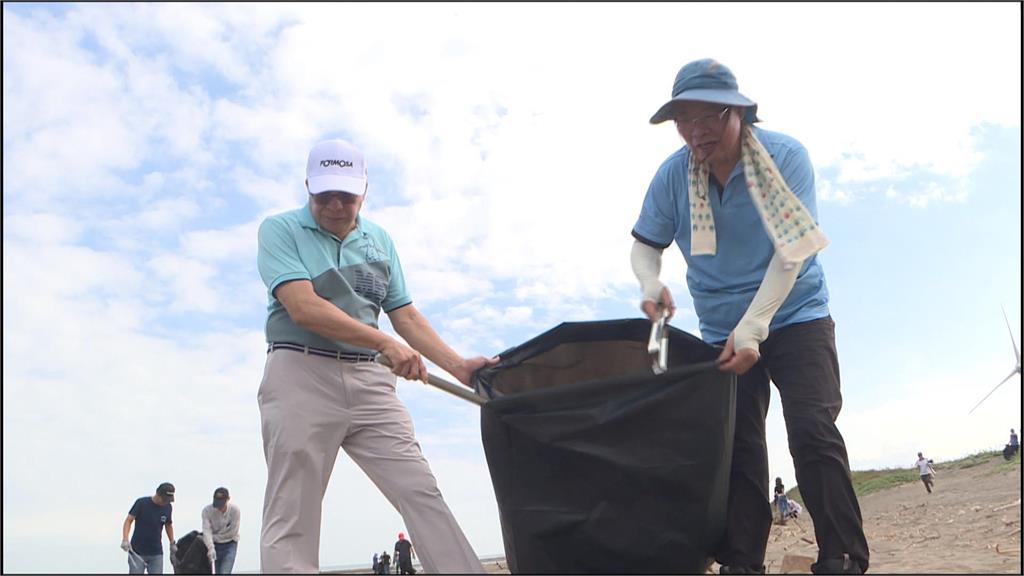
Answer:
x=207 y=529
x=646 y=262
x=776 y=286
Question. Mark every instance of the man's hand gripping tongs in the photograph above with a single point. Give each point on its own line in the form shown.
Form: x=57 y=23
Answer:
x=657 y=346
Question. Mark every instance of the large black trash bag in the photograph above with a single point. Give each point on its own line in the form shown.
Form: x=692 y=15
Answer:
x=191 y=558
x=598 y=464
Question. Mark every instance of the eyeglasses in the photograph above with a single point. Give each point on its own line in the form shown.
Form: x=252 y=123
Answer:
x=708 y=120
x=325 y=198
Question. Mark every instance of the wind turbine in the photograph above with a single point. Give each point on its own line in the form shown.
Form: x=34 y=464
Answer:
x=1015 y=370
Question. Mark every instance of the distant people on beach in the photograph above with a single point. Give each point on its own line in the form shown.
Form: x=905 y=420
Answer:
x=924 y=466
x=1010 y=450
x=385 y=563
x=781 y=501
x=376 y=564
x=149 y=514
x=404 y=555
x=794 y=509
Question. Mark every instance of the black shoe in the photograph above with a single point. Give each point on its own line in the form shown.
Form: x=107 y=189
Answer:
x=741 y=570
x=844 y=565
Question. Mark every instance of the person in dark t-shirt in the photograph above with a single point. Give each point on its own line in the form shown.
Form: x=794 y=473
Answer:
x=404 y=555
x=150 y=514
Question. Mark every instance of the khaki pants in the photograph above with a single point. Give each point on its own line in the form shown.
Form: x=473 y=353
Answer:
x=311 y=406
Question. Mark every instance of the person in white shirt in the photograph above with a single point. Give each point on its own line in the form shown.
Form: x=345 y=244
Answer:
x=221 y=521
x=924 y=466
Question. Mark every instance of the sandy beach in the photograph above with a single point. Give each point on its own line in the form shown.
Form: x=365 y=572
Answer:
x=970 y=523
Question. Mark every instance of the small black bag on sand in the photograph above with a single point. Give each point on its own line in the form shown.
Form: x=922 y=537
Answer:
x=1009 y=452
x=191 y=557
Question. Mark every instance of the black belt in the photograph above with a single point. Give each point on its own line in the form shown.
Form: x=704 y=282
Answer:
x=336 y=354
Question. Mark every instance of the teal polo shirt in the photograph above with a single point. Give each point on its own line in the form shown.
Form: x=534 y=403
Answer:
x=360 y=275
x=723 y=285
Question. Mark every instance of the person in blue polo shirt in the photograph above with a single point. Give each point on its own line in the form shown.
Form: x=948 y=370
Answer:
x=150 y=514
x=329 y=273
x=739 y=202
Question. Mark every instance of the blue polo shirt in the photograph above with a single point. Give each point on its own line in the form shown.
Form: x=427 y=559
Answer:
x=360 y=275
x=723 y=285
x=149 y=521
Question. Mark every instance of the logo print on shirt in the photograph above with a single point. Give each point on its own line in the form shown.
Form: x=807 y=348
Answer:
x=369 y=285
x=372 y=252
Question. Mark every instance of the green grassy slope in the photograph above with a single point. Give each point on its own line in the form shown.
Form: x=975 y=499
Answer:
x=868 y=481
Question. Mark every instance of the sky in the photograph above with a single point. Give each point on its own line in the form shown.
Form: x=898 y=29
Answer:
x=509 y=152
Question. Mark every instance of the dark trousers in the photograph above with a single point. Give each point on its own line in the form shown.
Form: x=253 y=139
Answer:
x=927 y=480
x=801 y=360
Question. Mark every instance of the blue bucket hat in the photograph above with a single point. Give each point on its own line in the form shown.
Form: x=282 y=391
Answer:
x=706 y=80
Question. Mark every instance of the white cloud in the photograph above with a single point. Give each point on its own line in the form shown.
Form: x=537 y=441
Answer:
x=828 y=191
x=36 y=228
x=220 y=245
x=272 y=195
x=166 y=214
x=74 y=123
x=935 y=192
x=189 y=281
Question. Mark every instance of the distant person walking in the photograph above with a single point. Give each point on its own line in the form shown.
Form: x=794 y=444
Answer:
x=221 y=521
x=404 y=555
x=924 y=466
x=150 y=514
x=385 y=563
x=376 y=564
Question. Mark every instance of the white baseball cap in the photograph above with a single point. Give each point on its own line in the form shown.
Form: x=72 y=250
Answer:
x=336 y=166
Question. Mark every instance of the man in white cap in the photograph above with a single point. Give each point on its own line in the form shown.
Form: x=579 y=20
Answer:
x=329 y=272
x=739 y=202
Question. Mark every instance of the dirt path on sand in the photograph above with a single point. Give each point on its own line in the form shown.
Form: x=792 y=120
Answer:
x=970 y=523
